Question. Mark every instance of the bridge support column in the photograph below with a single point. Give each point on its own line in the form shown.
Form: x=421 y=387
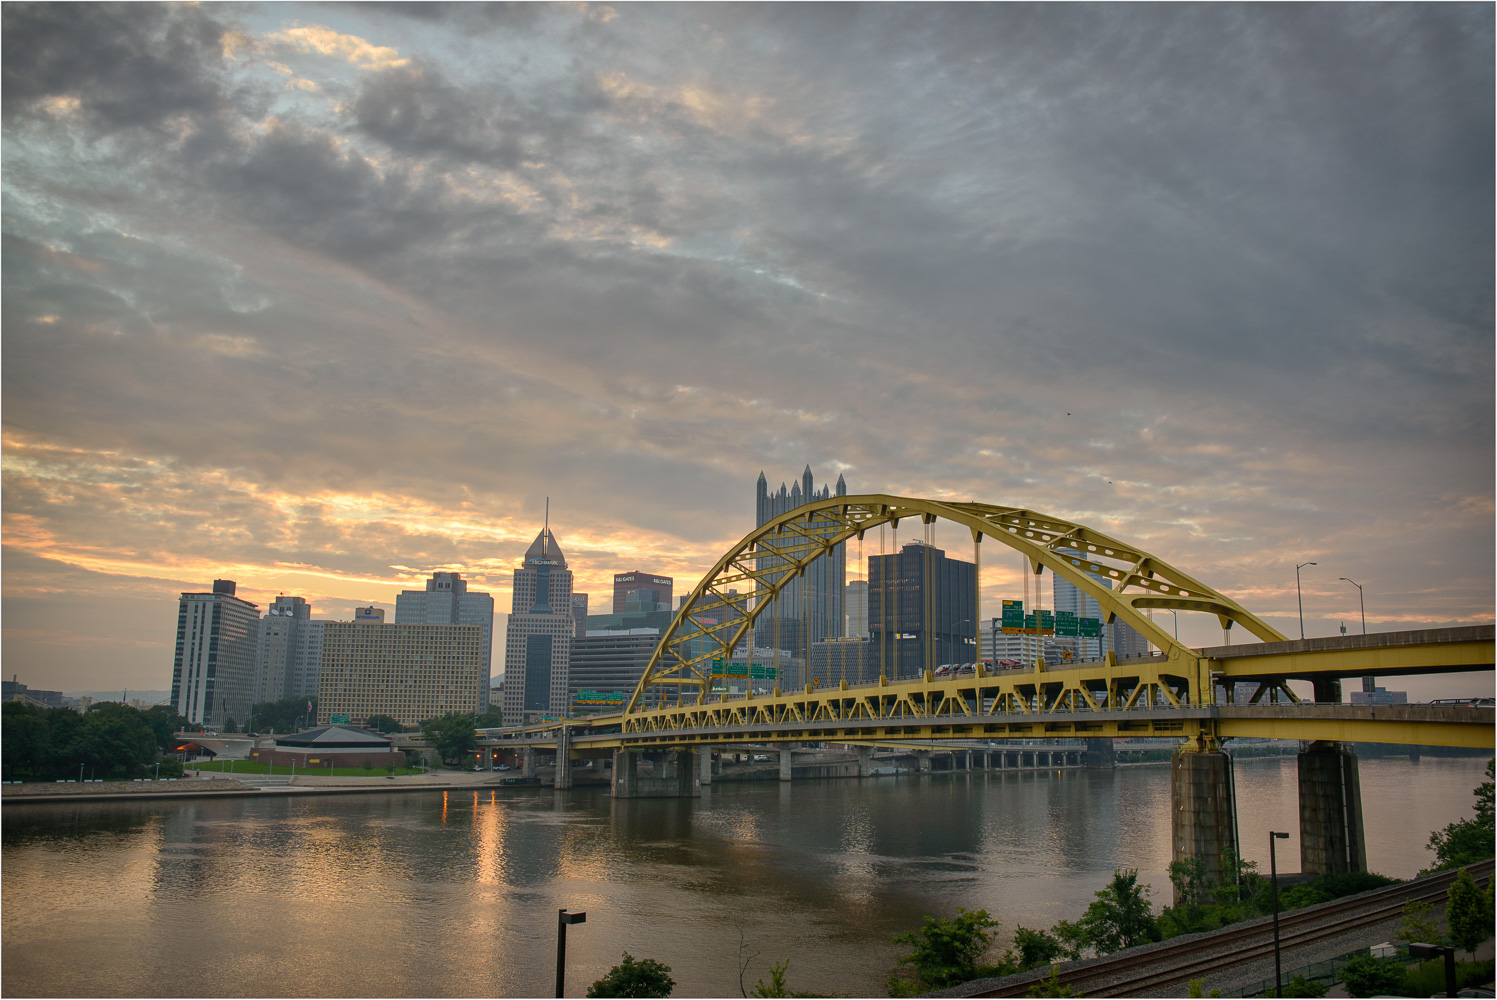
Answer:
x=922 y=761
x=527 y=762
x=785 y=763
x=1100 y=754
x=969 y=760
x=688 y=785
x=865 y=762
x=706 y=765
x=564 y=759
x=1327 y=690
x=625 y=774
x=1203 y=810
x=1330 y=811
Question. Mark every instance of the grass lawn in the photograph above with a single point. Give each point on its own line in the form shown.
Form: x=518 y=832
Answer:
x=254 y=767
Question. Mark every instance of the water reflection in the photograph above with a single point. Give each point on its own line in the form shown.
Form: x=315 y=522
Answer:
x=454 y=894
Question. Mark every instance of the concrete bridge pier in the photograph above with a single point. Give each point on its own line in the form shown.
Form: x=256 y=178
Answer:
x=865 y=762
x=785 y=762
x=676 y=777
x=564 y=759
x=922 y=761
x=1203 y=810
x=1330 y=810
x=706 y=765
x=527 y=762
x=1099 y=754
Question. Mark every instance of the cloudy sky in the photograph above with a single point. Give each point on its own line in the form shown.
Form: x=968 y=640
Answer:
x=325 y=298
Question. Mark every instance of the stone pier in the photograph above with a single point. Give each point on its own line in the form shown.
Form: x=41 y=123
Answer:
x=564 y=758
x=1203 y=809
x=785 y=763
x=1100 y=754
x=705 y=755
x=1330 y=811
x=676 y=778
x=527 y=762
x=865 y=761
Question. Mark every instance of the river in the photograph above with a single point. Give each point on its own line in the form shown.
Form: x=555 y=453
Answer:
x=455 y=894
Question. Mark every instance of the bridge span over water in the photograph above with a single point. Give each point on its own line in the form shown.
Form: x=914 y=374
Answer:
x=1199 y=696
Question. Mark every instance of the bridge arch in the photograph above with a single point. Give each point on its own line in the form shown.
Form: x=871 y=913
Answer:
x=712 y=621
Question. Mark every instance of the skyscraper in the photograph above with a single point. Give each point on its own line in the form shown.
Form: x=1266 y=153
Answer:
x=640 y=591
x=290 y=651
x=213 y=678
x=809 y=608
x=447 y=601
x=1121 y=639
x=538 y=639
x=921 y=610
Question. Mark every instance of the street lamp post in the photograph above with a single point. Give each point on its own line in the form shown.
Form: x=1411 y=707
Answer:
x=1273 y=875
x=1300 y=594
x=1369 y=684
x=1360 y=600
x=563 y=918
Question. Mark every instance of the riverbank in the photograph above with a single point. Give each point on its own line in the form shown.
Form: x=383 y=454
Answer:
x=195 y=786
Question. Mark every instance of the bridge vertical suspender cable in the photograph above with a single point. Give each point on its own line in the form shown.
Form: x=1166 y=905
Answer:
x=898 y=563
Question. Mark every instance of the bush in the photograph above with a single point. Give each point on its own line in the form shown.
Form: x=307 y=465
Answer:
x=1366 y=976
x=1303 y=895
x=945 y=952
x=644 y=978
x=1299 y=986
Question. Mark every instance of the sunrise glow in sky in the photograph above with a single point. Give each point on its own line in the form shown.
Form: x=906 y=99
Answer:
x=325 y=298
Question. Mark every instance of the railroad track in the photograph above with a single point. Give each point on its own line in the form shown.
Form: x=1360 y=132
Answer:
x=1145 y=971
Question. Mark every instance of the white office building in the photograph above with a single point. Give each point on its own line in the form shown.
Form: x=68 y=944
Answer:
x=213 y=676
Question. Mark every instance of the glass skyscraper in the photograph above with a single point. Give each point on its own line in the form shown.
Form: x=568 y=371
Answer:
x=810 y=608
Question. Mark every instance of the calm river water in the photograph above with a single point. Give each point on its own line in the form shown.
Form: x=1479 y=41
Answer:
x=455 y=894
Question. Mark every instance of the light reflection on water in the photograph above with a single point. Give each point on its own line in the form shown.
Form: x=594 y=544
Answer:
x=454 y=894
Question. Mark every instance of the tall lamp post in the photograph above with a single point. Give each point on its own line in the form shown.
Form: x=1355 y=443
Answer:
x=1369 y=684
x=1300 y=594
x=563 y=918
x=1273 y=875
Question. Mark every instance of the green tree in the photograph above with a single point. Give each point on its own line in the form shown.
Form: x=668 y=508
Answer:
x=1418 y=923
x=946 y=952
x=25 y=739
x=1197 y=988
x=1119 y=917
x=1032 y=949
x=383 y=724
x=165 y=722
x=230 y=726
x=492 y=719
x=1366 y=976
x=1467 y=841
x=450 y=735
x=630 y=978
x=1467 y=913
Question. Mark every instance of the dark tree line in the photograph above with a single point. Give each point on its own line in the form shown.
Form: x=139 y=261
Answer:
x=109 y=741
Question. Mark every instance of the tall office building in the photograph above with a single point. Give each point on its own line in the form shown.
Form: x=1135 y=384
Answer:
x=213 y=678
x=290 y=650
x=538 y=639
x=606 y=667
x=856 y=602
x=809 y=608
x=448 y=601
x=1120 y=638
x=641 y=591
x=921 y=607
x=579 y=615
x=409 y=672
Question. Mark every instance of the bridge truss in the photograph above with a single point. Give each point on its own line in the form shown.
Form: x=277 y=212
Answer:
x=719 y=616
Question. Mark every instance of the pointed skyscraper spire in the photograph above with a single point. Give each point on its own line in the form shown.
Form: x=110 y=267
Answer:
x=841 y=486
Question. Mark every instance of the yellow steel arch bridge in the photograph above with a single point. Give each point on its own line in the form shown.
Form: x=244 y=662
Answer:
x=1170 y=694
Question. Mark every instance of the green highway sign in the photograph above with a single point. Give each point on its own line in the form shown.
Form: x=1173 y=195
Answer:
x=1013 y=616
x=1065 y=623
x=1091 y=628
x=337 y=720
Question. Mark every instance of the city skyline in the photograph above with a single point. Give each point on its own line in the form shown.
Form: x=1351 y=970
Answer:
x=329 y=299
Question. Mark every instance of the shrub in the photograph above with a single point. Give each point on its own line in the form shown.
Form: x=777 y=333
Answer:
x=644 y=978
x=1299 y=986
x=1366 y=976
